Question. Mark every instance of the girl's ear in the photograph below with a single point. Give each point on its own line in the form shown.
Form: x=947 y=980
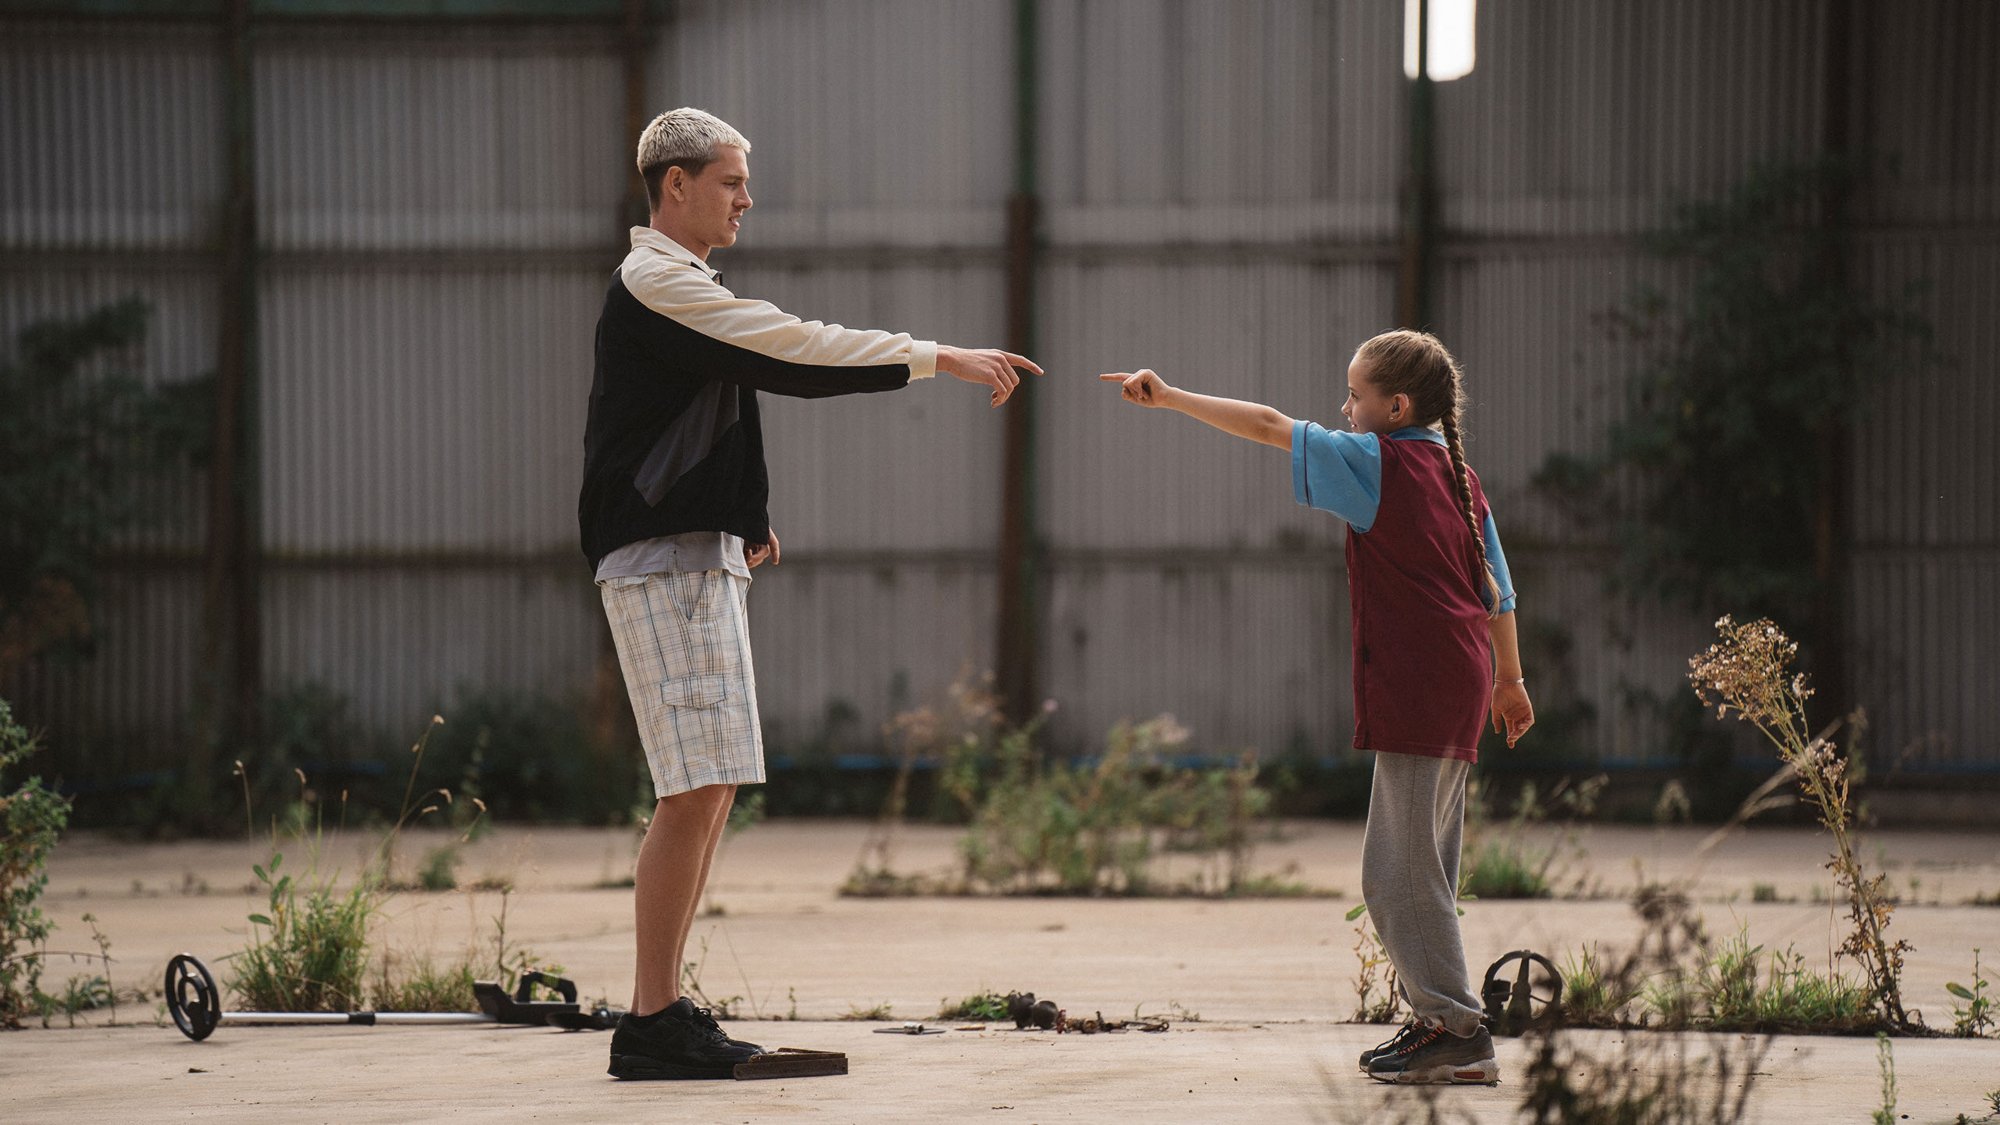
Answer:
x=1399 y=405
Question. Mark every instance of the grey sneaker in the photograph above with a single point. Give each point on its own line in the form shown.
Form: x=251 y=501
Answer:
x=682 y=1041
x=1434 y=1055
x=1389 y=1044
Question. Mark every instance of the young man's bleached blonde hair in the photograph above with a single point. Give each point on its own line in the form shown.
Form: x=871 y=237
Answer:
x=686 y=138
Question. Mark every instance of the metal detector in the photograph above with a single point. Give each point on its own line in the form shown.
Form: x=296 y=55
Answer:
x=195 y=1004
x=1532 y=999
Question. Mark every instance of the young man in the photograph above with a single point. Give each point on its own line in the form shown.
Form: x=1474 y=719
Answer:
x=673 y=520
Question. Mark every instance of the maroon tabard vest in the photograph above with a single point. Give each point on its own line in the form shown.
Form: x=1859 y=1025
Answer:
x=1423 y=657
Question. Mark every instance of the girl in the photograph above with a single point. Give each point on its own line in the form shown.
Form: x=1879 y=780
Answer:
x=1434 y=656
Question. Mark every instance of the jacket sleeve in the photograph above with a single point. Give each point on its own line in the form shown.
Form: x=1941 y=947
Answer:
x=756 y=344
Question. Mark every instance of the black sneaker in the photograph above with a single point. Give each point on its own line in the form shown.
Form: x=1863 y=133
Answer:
x=1434 y=1055
x=682 y=1041
x=1390 y=1044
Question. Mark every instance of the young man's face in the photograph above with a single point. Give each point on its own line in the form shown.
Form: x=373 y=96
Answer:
x=712 y=203
x=1367 y=409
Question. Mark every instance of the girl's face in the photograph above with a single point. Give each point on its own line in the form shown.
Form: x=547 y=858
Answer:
x=1369 y=411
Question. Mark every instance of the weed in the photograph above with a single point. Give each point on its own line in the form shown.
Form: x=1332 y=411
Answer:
x=1746 y=672
x=1376 y=970
x=1500 y=869
x=1972 y=1020
x=309 y=950
x=1278 y=884
x=1763 y=892
x=857 y=1012
x=724 y=1007
x=309 y=946
x=864 y=882
x=1787 y=998
x=986 y=1006
x=80 y=994
x=1088 y=827
x=1885 y=1059
x=419 y=985
x=1593 y=997
x=440 y=869
x=1503 y=863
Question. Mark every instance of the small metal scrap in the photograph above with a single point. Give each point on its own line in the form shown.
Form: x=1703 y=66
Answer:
x=910 y=1027
x=1092 y=1024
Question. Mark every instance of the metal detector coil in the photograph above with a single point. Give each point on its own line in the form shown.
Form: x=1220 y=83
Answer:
x=195 y=1004
x=1533 y=998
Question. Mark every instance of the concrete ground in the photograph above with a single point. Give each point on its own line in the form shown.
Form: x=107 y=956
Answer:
x=1255 y=989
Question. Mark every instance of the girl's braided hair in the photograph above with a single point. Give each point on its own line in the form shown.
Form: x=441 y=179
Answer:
x=1416 y=364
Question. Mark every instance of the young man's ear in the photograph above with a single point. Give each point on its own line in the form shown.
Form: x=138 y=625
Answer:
x=674 y=184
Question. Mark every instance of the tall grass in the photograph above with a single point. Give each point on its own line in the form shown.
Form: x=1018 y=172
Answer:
x=310 y=946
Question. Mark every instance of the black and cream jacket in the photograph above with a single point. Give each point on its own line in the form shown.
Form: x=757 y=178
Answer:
x=673 y=443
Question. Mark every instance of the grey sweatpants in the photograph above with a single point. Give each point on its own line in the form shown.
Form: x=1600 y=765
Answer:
x=1409 y=879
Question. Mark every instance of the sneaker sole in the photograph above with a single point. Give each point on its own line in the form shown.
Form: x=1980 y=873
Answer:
x=1483 y=1073
x=639 y=1068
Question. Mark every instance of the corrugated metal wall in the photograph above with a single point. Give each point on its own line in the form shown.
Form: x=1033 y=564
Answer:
x=439 y=209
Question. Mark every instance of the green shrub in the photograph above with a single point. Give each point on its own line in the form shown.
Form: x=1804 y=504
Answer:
x=308 y=949
x=32 y=816
x=1092 y=828
x=987 y=1006
x=1504 y=869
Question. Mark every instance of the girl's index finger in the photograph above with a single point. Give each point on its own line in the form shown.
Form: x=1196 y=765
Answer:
x=1117 y=378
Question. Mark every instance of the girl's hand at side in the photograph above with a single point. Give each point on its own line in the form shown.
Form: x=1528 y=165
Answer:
x=1142 y=386
x=1512 y=713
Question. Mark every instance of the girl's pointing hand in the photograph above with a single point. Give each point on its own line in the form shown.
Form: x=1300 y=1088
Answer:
x=1142 y=386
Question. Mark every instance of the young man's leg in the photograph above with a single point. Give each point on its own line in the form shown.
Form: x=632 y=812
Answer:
x=668 y=881
x=1415 y=815
x=683 y=642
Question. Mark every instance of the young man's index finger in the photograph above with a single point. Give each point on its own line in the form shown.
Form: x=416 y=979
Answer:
x=1022 y=361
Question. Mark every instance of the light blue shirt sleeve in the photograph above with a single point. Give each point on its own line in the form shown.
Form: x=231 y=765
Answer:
x=1337 y=471
x=1497 y=559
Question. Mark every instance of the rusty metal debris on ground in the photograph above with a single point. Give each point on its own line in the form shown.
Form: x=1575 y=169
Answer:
x=1044 y=1014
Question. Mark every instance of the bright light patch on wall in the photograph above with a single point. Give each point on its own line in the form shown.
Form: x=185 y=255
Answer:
x=1451 y=38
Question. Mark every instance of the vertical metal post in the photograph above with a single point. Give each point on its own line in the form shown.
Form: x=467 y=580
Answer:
x=635 y=42
x=1833 y=543
x=1019 y=549
x=231 y=628
x=1413 y=289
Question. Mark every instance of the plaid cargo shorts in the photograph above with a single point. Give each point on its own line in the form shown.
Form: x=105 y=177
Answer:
x=683 y=643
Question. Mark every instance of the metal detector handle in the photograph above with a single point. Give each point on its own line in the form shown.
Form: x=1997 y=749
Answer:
x=524 y=991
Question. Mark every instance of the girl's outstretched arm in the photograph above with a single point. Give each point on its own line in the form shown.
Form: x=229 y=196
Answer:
x=1251 y=420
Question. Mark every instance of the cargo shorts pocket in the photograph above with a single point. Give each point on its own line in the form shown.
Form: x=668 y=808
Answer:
x=695 y=713
x=695 y=693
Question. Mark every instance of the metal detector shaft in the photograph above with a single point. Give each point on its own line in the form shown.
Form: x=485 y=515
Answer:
x=195 y=1003
x=363 y=1019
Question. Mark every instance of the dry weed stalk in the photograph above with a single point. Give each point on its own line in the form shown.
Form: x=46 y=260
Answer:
x=1748 y=672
